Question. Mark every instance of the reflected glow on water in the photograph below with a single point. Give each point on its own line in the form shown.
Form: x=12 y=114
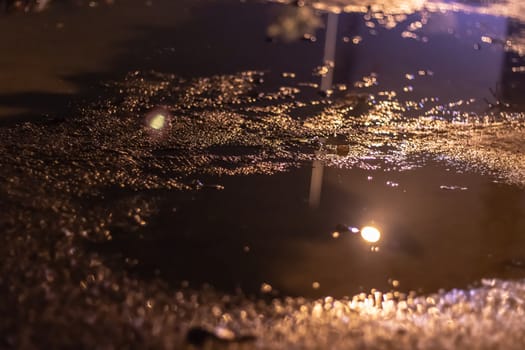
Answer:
x=157 y=122
x=370 y=234
x=394 y=9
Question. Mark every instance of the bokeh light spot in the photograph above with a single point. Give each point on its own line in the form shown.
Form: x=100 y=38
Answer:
x=157 y=122
x=370 y=234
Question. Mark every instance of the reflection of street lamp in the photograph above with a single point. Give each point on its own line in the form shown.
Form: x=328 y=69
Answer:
x=329 y=50
x=370 y=234
x=316 y=182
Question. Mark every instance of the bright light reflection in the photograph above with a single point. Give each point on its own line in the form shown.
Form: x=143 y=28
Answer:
x=370 y=234
x=157 y=122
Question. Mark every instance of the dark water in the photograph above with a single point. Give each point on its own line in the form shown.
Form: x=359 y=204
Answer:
x=439 y=229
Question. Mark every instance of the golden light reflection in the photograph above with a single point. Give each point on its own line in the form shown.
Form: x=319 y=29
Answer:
x=370 y=234
x=266 y=288
x=224 y=333
x=157 y=122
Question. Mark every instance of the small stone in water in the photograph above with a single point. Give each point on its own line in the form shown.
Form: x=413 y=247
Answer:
x=309 y=37
x=357 y=39
x=198 y=336
x=266 y=288
x=326 y=93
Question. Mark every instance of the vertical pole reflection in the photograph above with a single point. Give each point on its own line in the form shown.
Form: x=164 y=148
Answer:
x=329 y=50
x=316 y=184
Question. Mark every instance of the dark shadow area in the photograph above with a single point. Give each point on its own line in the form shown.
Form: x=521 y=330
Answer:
x=47 y=105
x=218 y=39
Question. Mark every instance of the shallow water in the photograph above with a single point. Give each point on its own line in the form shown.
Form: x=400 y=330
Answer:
x=440 y=230
x=202 y=172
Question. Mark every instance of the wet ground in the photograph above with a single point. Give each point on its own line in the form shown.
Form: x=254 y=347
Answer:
x=262 y=174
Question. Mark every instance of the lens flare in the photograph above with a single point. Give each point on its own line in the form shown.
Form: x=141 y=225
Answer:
x=157 y=122
x=370 y=234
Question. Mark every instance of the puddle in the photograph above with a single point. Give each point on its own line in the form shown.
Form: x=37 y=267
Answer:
x=357 y=172
x=439 y=229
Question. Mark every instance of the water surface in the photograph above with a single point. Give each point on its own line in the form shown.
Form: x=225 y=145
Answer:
x=172 y=170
